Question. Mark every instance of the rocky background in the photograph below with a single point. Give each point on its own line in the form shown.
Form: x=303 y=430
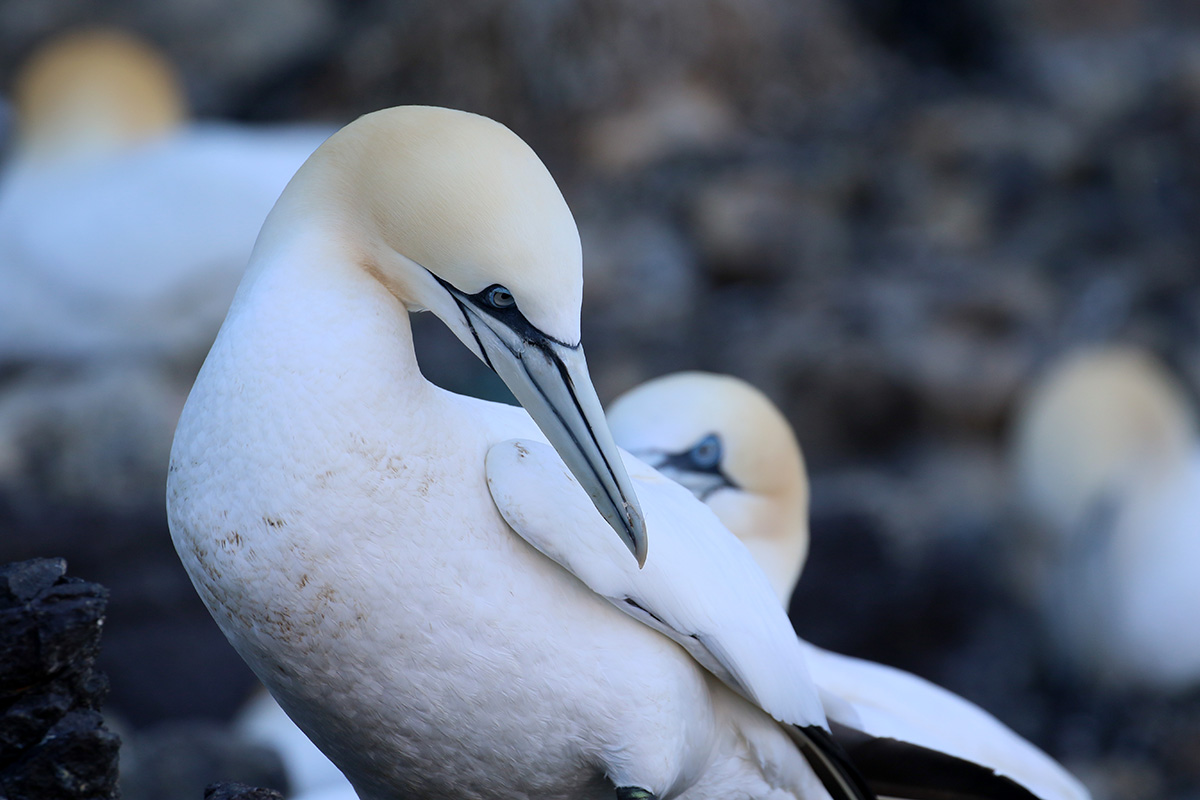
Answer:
x=888 y=214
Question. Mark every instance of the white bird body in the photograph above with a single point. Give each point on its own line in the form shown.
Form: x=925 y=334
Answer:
x=332 y=509
x=1108 y=459
x=717 y=431
x=159 y=236
x=1156 y=579
x=1124 y=602
x=123 y=229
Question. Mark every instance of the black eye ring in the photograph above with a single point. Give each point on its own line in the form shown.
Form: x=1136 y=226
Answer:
x=498 y=297
x=706 y=454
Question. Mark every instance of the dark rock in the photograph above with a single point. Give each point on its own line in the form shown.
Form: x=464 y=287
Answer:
x=76 y=759
x=56 y=631
x=27 y=721
x=53 y=743
x=25 y=580
x=231 y=790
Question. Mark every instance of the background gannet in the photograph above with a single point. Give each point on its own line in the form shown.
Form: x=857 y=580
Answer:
x=723 y=439
x=712 y=433
x=332 y=510
x=1106 y=458
x=123 y=229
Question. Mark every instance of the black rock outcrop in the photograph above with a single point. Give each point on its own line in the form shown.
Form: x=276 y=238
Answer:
x=53 y=743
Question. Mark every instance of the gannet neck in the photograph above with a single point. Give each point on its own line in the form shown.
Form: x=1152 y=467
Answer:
x=1101 y=419
x=93 y=92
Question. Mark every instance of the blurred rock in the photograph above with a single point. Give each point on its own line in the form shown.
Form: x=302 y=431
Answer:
x=175 y=761
x=238 y=791
x=667 y=120
x=55 y=744
x=1084 y=16
x=961 y=37
x=95 y=438
x=1097 y=79
x=762 y=225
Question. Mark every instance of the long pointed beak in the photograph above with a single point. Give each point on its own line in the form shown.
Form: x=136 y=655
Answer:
x=551 y=380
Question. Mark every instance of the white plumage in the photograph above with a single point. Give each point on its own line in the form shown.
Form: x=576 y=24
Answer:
x=124 y=230
x=724 y=438
x=332 y=509
x=1107 y=458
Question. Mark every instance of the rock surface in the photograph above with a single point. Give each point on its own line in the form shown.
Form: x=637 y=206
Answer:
x=238 y=791
x=53 y=742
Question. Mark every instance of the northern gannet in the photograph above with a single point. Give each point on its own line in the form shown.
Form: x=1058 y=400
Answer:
x=123 y=229
x=1106 y=457
x=335 y=510
x=725 y=441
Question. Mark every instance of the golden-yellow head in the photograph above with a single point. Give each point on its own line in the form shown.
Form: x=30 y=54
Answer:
x=92 y=92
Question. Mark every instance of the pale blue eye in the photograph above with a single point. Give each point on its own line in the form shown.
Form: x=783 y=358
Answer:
x=499 y=298
x=706 y=454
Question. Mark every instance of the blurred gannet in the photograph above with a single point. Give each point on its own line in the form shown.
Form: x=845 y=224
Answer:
x=123 y=229
x=335 y=510
x=726 y=442
x=1107 y=459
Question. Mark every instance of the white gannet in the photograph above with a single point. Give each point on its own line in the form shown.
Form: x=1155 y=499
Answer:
x=122 y=228
x=333 y=509
x=1106 y=457
x=723 y=439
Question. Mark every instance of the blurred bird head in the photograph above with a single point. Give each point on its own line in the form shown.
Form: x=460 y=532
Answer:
x=727 y=443
x=1102 y=420
x=94 y=92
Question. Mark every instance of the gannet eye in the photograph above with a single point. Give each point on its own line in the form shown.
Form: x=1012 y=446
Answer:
x=706 y=454
x=498 y=297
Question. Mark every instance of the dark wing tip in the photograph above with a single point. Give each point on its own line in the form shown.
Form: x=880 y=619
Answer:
x=900 y=769
x=835 y=769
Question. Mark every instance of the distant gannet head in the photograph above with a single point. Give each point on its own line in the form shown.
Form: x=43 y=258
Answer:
x=1099 y=421
x=93 y=92
x=454 y=214
x=730 y=446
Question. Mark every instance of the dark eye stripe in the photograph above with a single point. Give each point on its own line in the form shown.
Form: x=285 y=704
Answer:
x=703 y=457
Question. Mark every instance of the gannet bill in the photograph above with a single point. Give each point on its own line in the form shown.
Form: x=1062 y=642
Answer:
x=332 y=506
x=124 y=229
x=724 y=440
x=1107 y=458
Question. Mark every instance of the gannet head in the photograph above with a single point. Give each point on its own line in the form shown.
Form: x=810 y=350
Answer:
x=454 y=214
x=1099 y=421
x=94 y=92
x=729 y=445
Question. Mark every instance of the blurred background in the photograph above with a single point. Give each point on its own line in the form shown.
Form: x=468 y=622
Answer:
x=892 y=216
